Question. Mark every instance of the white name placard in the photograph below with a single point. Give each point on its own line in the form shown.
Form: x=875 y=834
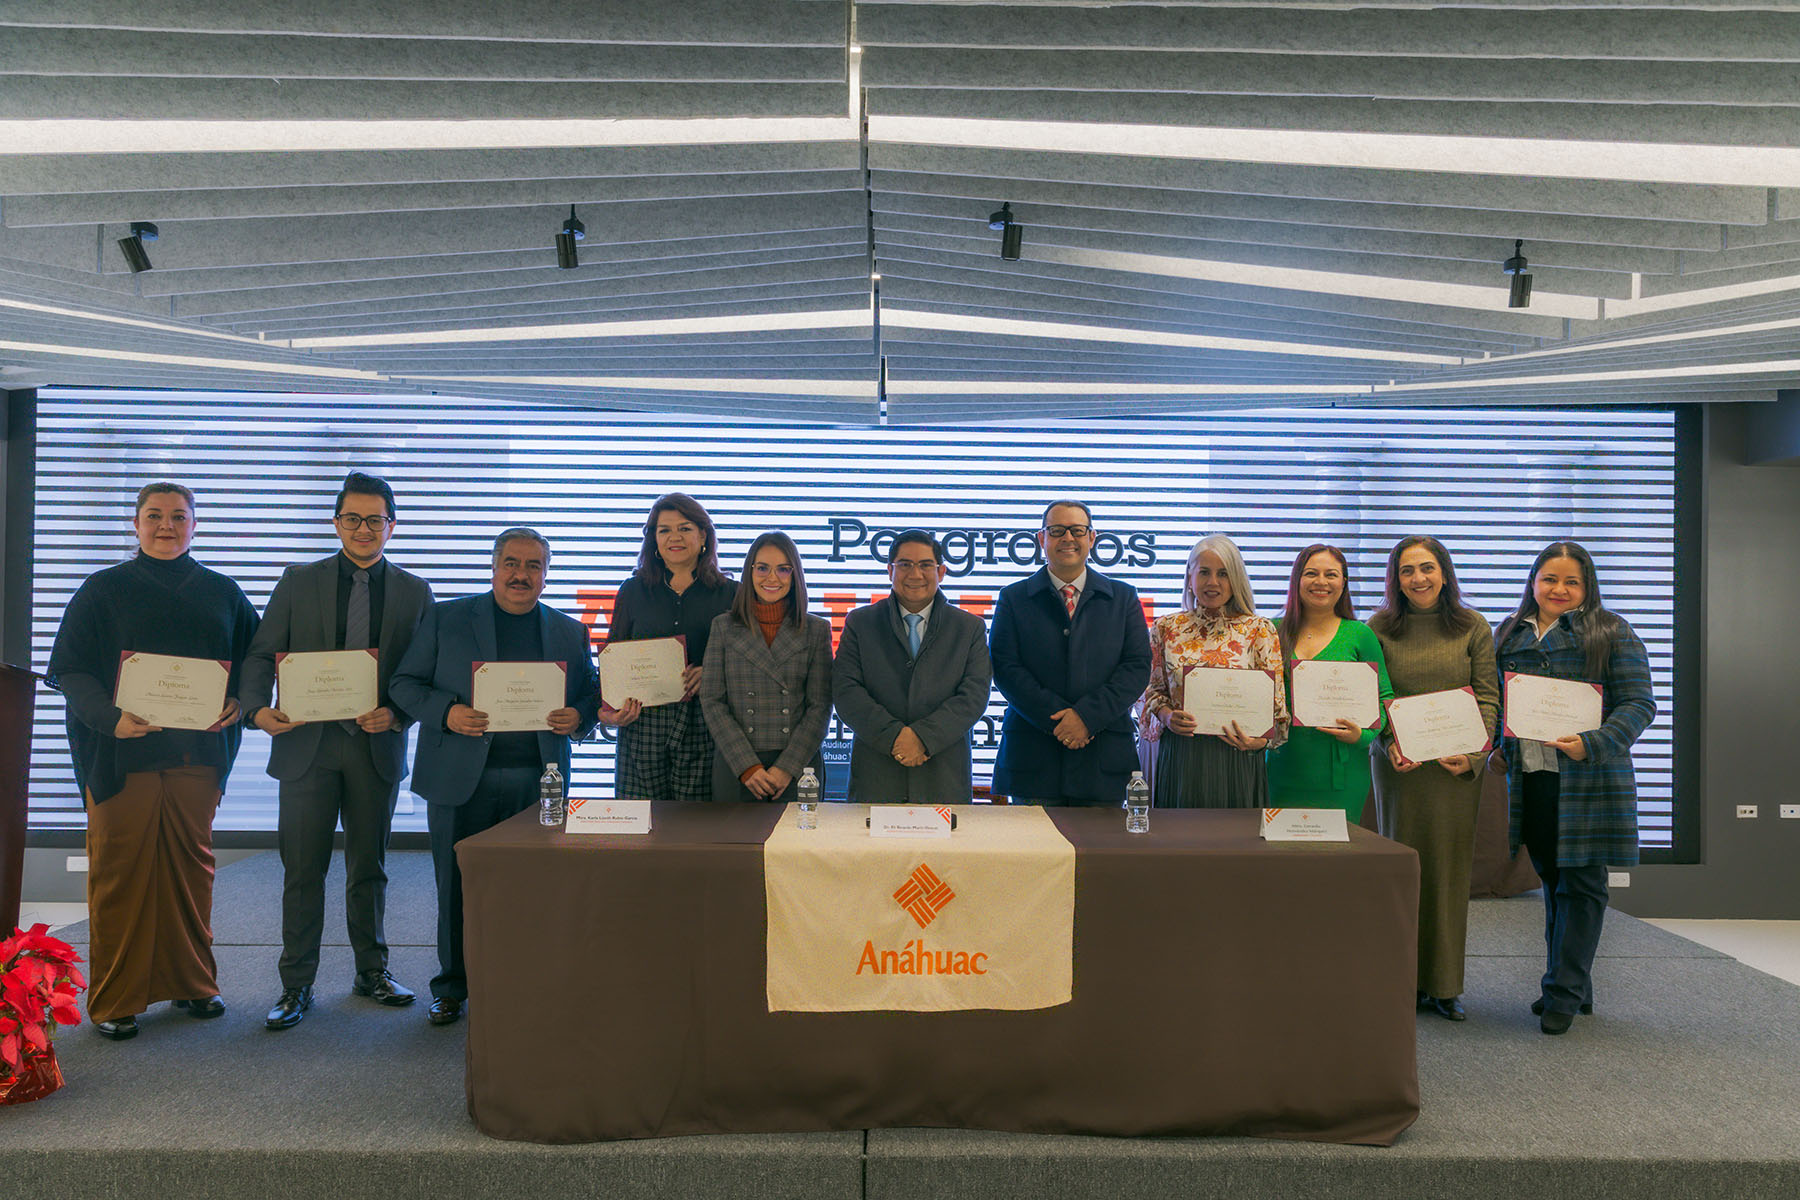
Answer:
x=909 y=821
x=1304 y=825
x=591 y=814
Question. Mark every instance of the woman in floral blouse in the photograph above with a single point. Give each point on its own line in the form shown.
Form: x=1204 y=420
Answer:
x=1217 y=627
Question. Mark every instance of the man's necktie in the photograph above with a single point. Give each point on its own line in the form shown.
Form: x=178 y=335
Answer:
x=356 y=624
x=1069 y=593
x=912 y=631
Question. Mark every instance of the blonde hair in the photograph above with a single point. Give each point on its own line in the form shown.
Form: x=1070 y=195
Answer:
x=1243 y=600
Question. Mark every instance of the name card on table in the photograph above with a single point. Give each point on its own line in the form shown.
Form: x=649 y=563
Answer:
x=1304 y=825
x=591 y=814
x=911 y=820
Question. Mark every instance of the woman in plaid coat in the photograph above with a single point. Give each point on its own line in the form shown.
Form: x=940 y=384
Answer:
x=1574 y=800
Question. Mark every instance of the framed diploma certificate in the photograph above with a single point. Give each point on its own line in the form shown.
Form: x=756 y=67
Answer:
x=1325 y=691
x=1436 y=725
x=518 y=697
x=172 y=692
x=1544 y=709
x=1217 y=696
x=325 y=685
x=647 y=670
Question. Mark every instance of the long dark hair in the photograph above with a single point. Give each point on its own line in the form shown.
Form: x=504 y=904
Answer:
x=650 y=566
x=1390 y=619
x=743 y=609
x=1594 y=624
x=1289 y=625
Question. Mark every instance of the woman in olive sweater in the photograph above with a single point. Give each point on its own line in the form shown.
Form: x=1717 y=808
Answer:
x=1434 y=642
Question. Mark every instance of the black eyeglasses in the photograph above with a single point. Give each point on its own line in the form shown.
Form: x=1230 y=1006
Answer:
x=1074 y=531
x=351 y=522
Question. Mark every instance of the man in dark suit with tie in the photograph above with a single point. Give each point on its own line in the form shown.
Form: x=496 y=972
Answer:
x=332 y=770
x=473 y=779
x=1071 y=655
x=911 y=679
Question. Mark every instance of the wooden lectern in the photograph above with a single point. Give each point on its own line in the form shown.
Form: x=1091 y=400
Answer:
x=16 y=700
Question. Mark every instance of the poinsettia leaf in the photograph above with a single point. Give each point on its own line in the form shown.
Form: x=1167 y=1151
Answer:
x=35 y=1037
x=9 y=1049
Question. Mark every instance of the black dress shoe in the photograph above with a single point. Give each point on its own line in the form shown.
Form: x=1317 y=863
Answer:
x=290 y=1008
x=444 y=1011
x=1554 y=1023
x=1449 y=1007
x=121 y=1030
x=1537 y=1008
x=383 y=988
x=204 y=1008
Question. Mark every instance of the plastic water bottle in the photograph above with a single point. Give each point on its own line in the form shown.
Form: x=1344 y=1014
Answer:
x=806 y=793
x=1137 y=804
x=550 y=796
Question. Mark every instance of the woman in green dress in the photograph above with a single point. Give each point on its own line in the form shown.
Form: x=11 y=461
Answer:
x=1328 y=766
x=1434 y=642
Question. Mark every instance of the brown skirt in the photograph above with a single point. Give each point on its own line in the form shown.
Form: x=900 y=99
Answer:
x=150 y=881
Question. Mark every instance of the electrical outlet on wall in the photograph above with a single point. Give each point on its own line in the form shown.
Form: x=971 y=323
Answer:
x=1746 y=812
x=1790 y=812
x=1618 y=879
x=75 y=863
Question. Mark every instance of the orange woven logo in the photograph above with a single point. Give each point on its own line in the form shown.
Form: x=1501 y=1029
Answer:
x=923 y=895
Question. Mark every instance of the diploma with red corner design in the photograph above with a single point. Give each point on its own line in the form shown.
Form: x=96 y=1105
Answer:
x=1434 y=725
x=518 y=697
x=1543 y=708
x=172 y=692
x=1217 y=696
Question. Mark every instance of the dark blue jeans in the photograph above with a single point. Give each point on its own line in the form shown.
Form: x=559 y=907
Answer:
x=1574 y=900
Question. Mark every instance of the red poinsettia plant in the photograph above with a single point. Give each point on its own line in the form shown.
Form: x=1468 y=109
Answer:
x=39 y=985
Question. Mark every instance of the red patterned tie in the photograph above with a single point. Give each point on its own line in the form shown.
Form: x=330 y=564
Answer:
x=1069 y=593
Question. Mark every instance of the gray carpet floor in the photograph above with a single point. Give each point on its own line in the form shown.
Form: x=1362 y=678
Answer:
x=1685 y=1082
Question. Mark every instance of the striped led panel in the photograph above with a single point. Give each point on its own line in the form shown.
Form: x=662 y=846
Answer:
x=1494 y=485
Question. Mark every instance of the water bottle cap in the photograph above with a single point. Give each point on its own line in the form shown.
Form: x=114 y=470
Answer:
x=1137 y=774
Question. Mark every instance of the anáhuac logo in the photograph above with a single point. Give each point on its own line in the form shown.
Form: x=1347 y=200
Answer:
x=923 y=896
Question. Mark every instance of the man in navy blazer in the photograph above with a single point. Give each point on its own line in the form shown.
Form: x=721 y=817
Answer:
x=472 y=779
x=328 y=770
x=1071 y=655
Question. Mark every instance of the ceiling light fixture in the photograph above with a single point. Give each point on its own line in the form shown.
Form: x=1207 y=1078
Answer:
x=1520 y=294
x=1012 y=234
x=132 y=247
x=572 y=231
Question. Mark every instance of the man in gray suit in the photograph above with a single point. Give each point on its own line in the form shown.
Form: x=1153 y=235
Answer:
x=328 y=770
x=911 y=679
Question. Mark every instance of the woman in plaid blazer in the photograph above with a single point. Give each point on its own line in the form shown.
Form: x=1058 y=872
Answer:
x=1574 y=800
x=765 y=685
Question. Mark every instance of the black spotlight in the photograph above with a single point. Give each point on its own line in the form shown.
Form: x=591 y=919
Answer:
x=572 y=231
x=1012 y=234
x=133 y=247
x=1520 y=295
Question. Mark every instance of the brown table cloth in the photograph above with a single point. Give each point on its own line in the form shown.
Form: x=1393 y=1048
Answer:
x=1222 y=986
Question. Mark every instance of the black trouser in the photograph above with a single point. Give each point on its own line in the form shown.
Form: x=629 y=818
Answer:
x=502 y=792
x=342 y=783
x=1574 y=900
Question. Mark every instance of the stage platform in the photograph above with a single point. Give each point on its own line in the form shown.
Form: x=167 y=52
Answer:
x=1686 y=1082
